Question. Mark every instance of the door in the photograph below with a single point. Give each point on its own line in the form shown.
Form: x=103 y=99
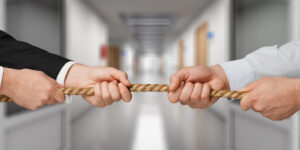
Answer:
x=114 y=57
x=201 y=45
x=180 y=54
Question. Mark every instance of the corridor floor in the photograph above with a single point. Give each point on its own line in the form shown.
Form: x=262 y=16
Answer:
x=149 y=131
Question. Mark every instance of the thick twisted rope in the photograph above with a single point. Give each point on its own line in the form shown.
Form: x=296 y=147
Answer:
x=141 y=88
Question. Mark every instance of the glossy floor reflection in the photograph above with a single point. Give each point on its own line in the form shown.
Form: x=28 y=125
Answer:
x=149 y=130
x=149 y=133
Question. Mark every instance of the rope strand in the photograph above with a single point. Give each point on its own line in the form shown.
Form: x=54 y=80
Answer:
x=141 y=88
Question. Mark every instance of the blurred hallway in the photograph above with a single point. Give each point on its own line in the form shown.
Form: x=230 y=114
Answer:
x=149 y=40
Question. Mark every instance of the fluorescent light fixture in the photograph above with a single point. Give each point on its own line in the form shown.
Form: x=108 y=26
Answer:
x=149 y=21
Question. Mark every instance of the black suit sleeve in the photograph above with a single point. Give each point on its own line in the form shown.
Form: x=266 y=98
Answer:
x=19 y=55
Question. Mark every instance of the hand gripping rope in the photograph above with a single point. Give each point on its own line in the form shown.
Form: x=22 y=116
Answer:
x=141 y=88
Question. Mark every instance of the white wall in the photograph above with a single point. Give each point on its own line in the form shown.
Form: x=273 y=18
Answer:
x=259 y=25
x=86 y=32
x=294 y=12
x=36 y=23
x=127 y=62
x=2 y=14
x=217 y=16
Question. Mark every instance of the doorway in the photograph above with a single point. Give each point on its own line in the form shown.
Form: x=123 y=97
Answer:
x=201 y=45
x=180 y=54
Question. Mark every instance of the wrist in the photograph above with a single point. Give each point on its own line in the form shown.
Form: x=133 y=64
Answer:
x=296 y=90
x=8 y=81
x=76 y=73
x=219 y=73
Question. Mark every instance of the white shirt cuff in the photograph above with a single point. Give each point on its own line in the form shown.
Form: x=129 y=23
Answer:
x=1 y=75
x=239 y=73
x=62 y=76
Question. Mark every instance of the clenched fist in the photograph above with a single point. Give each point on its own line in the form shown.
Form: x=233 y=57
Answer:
x=30 y=89
x=192 y=86
x=110 y=84
x=275 y=98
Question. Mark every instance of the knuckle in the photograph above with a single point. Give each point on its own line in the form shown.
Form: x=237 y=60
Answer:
x=49 y=88
x=109 y=103
x=45 y=97
x=106 y=97
x=173 y=76
x=124 y=74
x=184 y=98
x=173 y=101
x=201 y=106
x=100 y=105
x=194 y=98
x=112 y=68
x=266 y=115
x=182 y=103
x=244 y=106
x=259 y=108
x=40 y=103
x=126 y=100
x=116 y=97
x=274 y=118
x=192 y=106
x=205 y=96
x=33 y=108
x=61 y=101
x=40 y=73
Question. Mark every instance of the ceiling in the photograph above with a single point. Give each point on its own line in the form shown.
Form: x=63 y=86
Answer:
x=242 y=4
x=128 y=19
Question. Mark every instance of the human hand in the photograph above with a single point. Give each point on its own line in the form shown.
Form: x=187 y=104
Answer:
x=30 y=89
x=192 y=85
x=275 y=98
x=105 y=82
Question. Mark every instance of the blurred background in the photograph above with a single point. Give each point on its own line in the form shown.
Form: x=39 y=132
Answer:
x=150 y=40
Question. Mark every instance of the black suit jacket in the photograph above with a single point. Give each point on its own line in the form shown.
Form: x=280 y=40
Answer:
x=19 y=55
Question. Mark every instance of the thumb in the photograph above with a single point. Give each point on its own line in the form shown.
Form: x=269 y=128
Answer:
x=59 y=96
x=246 y=103
x=249 y=87
x=174 y=82
x=121 y=76
x=176 y=79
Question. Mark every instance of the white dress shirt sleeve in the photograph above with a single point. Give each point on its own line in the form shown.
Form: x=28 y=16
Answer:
x=1 y=75
x=62 y=76
x=266 y=61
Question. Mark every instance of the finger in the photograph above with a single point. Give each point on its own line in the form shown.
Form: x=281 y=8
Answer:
x=174 y=95
x=176 y=78
x=246 y=103
x=125 y=94
x=205 y=95
x=121 y=76
x=59 y=96
x=174 y=82
x=97 y=98
x=114 y=91
x=213 y=99
x=196 y=94
x=106 y=94
x=51 y=102
x=185 y=95
x=267 y=114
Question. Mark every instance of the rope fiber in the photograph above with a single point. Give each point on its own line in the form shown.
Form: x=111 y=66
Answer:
x=141 y=88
